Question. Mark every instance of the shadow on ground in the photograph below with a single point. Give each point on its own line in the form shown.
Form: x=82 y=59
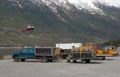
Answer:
x=92 y=62
x=38 y=61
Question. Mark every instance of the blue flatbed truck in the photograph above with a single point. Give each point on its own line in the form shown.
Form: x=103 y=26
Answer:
x=45 y=54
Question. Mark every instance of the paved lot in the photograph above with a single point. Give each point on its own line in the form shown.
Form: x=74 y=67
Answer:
x=97 y=68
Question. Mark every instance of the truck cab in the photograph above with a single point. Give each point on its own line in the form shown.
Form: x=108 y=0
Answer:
x=25 y=53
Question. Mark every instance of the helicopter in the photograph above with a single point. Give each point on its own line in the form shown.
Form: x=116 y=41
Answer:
x=28 y=28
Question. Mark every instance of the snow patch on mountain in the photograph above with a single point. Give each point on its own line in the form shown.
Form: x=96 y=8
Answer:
x=115 y=3
x=86 y=5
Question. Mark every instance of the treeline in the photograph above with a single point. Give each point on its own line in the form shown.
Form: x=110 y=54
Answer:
x=115 y=43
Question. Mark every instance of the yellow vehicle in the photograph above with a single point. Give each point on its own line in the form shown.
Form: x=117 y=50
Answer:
x=105 y=51
x=83 y=53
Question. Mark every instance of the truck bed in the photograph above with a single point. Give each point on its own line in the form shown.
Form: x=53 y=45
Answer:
x=45 y=52
x=80 y=55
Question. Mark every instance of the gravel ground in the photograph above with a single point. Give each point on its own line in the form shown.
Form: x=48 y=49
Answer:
x=33 y=68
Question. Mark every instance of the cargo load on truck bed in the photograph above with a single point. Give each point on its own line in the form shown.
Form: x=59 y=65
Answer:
x=84 y=53
x=105 y=51
x=47 y=53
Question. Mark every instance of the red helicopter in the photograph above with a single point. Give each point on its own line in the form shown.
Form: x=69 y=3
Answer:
x=28 y=28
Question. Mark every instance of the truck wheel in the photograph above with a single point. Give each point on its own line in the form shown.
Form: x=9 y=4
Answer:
x=49 y=60
x=68 y=60
x=45 y=59
x=87 y=60
x=15 y=58
x=83 y=61
x=22 y=60
x=103 y=57
x=74 y=60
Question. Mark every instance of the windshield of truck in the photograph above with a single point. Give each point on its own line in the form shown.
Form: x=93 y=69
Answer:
x=31 y=50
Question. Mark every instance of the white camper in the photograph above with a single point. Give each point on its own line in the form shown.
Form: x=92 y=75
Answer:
x=68 y=45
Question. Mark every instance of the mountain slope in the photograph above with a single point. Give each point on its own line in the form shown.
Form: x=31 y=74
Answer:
x=56 y=21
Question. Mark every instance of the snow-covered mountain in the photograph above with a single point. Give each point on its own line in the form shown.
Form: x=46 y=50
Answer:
x=59 y=21
x=91 y=6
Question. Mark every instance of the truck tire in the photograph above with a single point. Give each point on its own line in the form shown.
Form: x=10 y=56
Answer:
x=74 y=60
x=87 y=60
x=15 y=58
x=50 y=60
x=103 y=57
x=68 y=60
x=83 y=61
x=22 y=60
x=45 y=60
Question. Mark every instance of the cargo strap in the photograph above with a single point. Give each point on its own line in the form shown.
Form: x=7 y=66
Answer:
x=80 y=54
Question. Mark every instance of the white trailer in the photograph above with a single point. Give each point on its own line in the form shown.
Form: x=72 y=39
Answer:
x=68 y=45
